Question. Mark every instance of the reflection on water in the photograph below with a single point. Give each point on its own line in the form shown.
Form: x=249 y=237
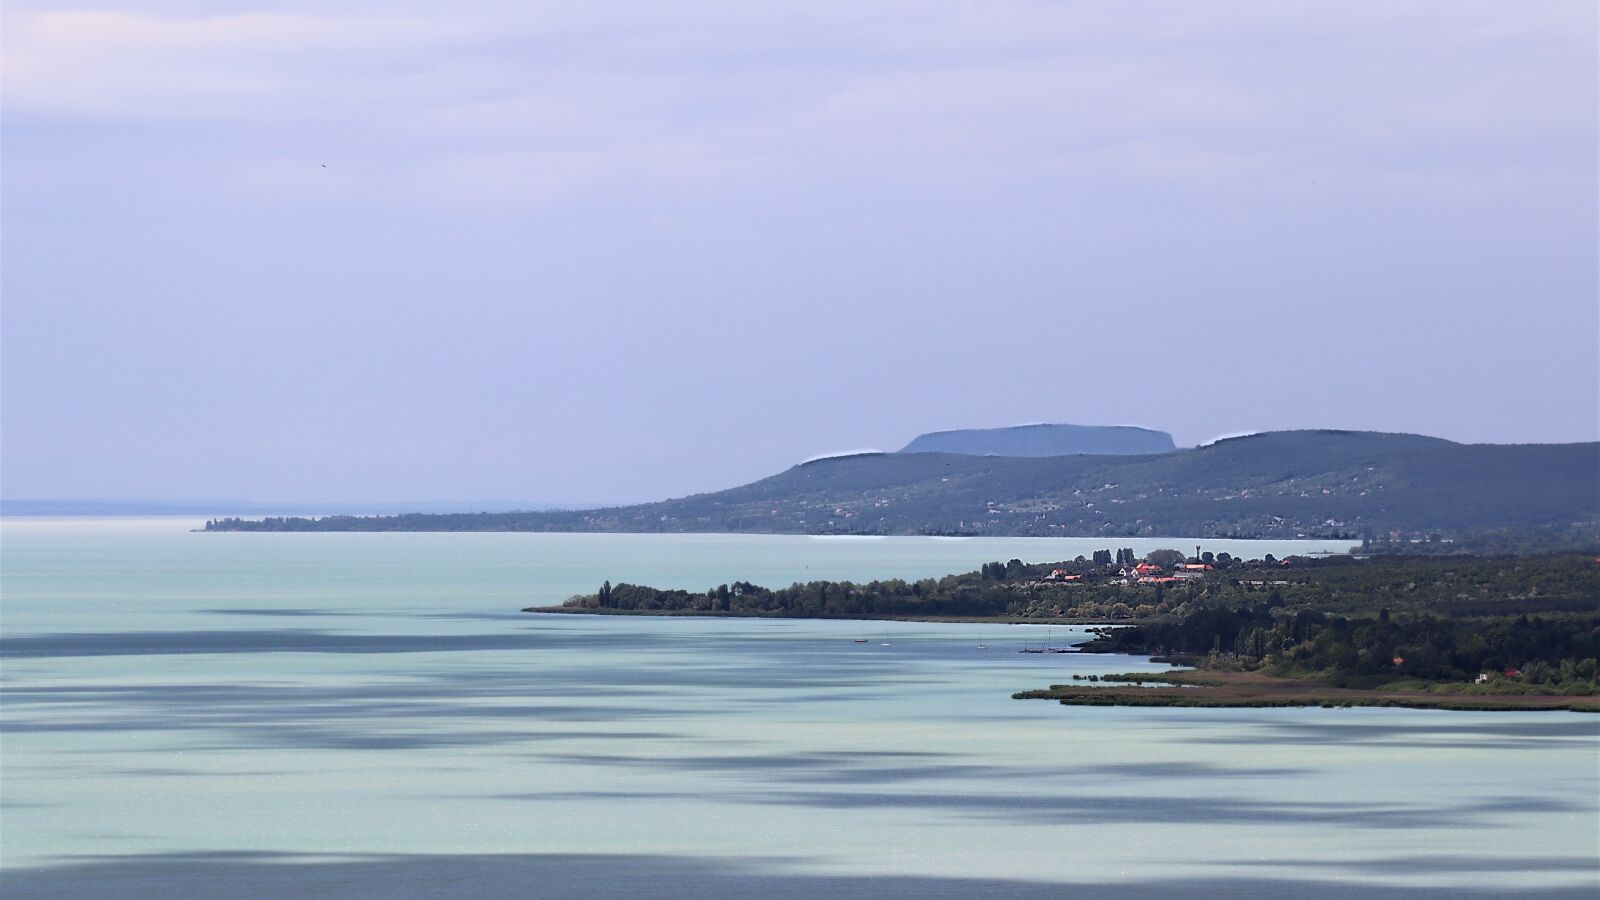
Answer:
x=367 y=715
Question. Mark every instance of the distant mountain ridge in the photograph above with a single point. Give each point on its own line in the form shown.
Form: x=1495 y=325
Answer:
x=1044 y=440
x=1271 y=485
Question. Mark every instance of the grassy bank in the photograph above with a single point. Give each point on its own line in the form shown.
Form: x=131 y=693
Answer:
x=1255 y=689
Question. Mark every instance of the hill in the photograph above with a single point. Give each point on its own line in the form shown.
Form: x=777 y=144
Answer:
x=1044 y=440
x=1275 y=484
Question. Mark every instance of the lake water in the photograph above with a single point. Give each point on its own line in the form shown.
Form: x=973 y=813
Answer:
x=363 y=715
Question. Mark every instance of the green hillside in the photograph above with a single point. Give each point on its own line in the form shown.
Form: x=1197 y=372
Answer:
x=1279 y=484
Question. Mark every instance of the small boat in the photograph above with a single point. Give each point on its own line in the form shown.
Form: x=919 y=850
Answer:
x=1050 y=645
x=983 y=646
x=860 y=640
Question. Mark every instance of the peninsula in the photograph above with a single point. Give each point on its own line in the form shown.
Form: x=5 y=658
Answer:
x=1447 y=632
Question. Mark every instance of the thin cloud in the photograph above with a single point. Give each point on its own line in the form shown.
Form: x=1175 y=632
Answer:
x=841 y=453
x=1226 y=437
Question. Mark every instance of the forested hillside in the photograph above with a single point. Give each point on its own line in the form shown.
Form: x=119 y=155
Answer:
x=1277 y=485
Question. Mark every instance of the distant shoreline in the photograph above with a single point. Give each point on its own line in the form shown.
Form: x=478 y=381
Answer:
x=716 y=614
x=1317 y=484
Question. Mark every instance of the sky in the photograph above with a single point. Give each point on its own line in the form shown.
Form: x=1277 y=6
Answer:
x=605 y=252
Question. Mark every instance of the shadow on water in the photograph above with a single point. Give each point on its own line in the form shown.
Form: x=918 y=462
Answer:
x=263 y=875
x=287 y=612
x=1436 y=864
x=652 y=658
x=1450 y=730
x=278 y=640
x=1069 y=809
x=429 y=707
x=1056 y=797
x=295 y=612
x=473 y=708
x=844 y=767
x=1062 y=806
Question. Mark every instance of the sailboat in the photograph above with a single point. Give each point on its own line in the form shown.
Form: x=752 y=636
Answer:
x=1049 y=646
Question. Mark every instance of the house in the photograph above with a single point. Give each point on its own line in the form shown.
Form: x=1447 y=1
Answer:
x=1145 y=568
x=1196 y=567
x=1513 y=673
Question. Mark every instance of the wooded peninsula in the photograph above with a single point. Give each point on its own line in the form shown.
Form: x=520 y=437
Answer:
x=1462 y=632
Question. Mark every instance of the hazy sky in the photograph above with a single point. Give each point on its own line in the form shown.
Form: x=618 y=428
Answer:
x=594 y=252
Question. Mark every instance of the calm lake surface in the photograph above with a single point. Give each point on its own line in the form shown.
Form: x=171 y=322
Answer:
x=368 y=715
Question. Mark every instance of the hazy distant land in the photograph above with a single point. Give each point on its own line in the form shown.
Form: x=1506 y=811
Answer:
x=1291 y=484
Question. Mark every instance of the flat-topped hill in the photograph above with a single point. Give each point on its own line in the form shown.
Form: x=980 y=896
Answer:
x=1044 y=440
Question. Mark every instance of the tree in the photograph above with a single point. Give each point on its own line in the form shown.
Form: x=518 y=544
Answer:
x=1164 y=558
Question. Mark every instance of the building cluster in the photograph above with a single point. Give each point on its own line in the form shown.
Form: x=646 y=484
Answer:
x=1142 y=573
x=1150 y=573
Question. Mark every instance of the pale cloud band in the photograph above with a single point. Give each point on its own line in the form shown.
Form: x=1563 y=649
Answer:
x=577 y=251
x=494 y=104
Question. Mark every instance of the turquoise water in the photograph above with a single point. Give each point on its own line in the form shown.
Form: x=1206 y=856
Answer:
x=368 y=716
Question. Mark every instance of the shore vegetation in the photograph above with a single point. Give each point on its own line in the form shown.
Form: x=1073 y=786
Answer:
x=1394 y=629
